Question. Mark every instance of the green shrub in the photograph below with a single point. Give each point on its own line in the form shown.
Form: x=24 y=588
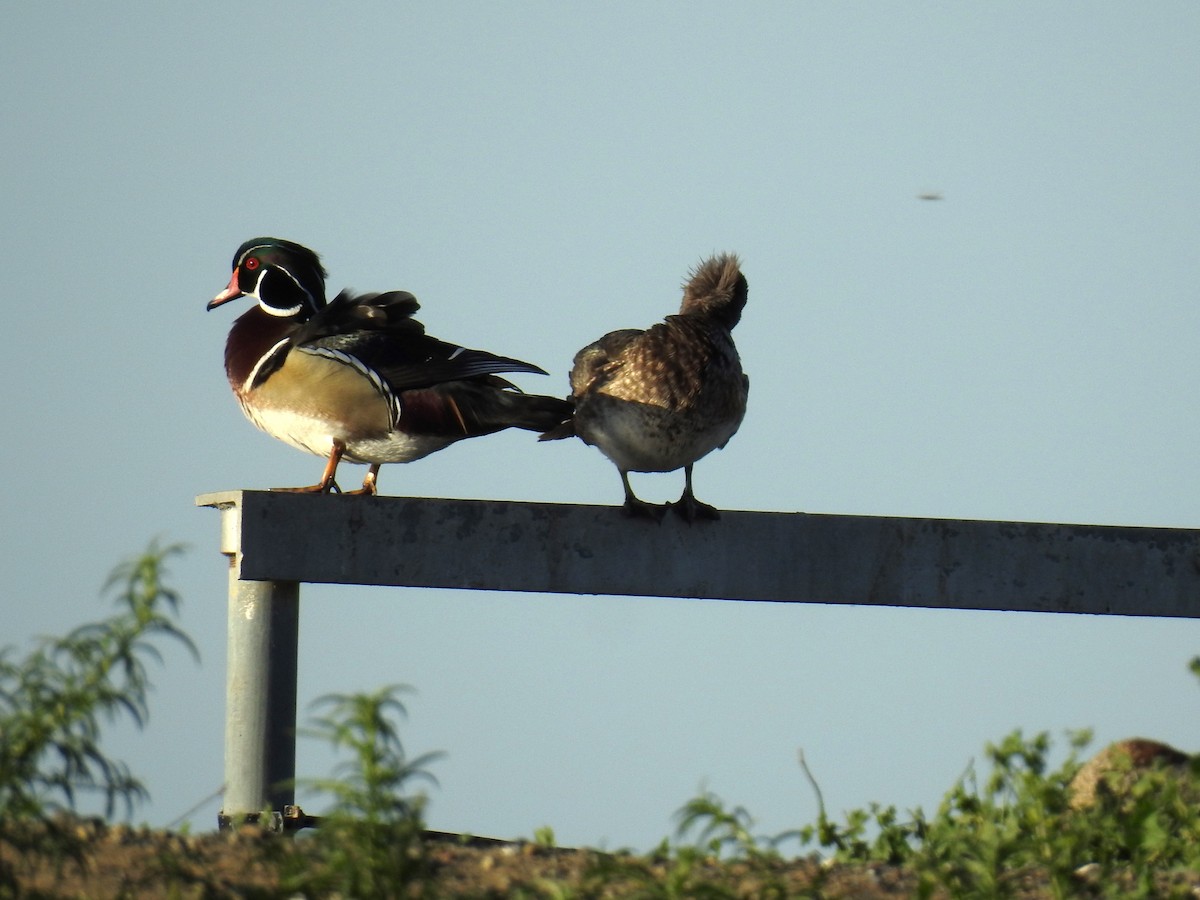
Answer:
x=993 y=839
x=55 y=700
x=369 y=842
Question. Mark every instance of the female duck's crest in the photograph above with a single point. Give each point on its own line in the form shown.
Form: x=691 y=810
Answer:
x=718 y=288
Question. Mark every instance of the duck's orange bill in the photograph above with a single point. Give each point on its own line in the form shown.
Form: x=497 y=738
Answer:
x=231 y=292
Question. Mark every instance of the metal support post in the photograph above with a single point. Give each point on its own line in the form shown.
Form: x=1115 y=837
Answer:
x=275 y=540
x=260 y=685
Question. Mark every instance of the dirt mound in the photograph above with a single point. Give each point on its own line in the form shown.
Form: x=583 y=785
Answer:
x=120 y=861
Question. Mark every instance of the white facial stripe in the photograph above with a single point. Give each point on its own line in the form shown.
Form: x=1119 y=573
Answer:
x=457 y=351
x=295 y=280
x=312 y=303
x=257 y=295
x=258 y=284
x=242 y=258
x=275 y=310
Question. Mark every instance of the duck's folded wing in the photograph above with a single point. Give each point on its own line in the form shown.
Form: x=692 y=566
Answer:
x=388 y=313
x=379 y=332
x=439 y=362
x=412 y=361
x=596 y=363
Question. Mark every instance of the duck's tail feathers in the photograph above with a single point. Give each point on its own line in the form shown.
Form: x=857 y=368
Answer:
x=490 y=403
x=535 y=412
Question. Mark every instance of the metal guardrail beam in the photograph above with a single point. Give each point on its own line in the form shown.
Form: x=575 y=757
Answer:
x=274 y=541
x=800 y=557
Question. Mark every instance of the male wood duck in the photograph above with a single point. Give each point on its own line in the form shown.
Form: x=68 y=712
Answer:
x=357 y=378
x=660 y=399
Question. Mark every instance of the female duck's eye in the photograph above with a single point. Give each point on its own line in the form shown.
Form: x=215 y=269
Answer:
x=251 y=263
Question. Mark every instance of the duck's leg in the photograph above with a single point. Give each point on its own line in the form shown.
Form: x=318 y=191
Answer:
x=688 y=506
x=327 y=482
x=368 y=487
x=639 y=509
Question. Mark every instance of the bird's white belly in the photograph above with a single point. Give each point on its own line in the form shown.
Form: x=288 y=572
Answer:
x=313 y=435
x=642 y=438
x=396 y=447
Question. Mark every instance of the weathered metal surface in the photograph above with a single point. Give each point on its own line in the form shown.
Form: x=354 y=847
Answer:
x=276 y=540
x=260 y=685
x=791 y=557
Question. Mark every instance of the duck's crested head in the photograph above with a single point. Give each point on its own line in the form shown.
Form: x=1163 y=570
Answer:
x=717 y=288
x=286 y=278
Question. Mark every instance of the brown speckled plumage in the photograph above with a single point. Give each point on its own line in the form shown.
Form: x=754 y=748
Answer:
x=660 y=399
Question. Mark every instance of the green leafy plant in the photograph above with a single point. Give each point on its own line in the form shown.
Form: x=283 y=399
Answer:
x=55 y=701
x=893 y=842
x=669 y=873
x=993 y=838
x=369 y=842
x=982 y=839
x=717 y=856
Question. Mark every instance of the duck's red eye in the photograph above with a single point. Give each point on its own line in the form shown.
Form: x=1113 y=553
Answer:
x=251 y=263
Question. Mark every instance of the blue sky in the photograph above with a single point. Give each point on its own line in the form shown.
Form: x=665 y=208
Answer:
x=539 y=174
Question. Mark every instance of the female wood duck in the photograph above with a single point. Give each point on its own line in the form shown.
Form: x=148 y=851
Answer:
x=357 y=378
x=660 y=399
